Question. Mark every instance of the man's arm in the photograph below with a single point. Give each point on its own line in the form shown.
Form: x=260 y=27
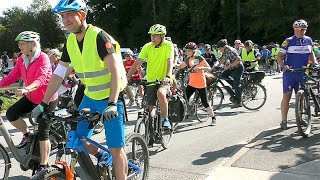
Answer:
x=134 y=67
x=280 y=58
x=313 y=58
x=55 y=82
x=113 y=67
x=169 y=67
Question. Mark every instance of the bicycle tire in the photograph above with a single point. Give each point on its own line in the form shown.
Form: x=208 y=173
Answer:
x=249 y=94
x=134 y=156
x=4 y=156
x=166 y=135
x=215 y=97
x=140 y=128
x=303 y=107
x=51 y=173
x=201 y=112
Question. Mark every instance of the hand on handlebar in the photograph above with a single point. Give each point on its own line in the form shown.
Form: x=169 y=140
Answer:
x=21 y=92
x=38 y=110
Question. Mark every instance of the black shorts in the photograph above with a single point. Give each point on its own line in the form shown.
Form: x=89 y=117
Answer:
x=152 y=93
x=24 y=106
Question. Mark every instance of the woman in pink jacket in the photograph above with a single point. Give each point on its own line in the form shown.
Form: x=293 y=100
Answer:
x=34 y=67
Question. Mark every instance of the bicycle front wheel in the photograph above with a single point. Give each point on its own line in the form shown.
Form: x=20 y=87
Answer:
x=215 y=97
x=5 y=163
x=303 y=113
x=141 y=128
x=51 y=173
x=253 y=96
x=137 y=154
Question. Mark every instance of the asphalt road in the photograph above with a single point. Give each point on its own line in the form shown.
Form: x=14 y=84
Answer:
x=197 y=148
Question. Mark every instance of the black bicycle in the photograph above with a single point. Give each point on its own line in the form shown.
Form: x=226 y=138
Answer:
x=307 y=98
x=253 y=93
x=150 y=126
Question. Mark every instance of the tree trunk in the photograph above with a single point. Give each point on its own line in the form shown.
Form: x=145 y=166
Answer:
x=238 y=20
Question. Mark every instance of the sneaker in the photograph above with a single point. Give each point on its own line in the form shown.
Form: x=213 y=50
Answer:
x=213 y=122
x=37 y=172
x=98 y=127
x=166 y=123
x=283 y=125
x=236 y=105
x=23 y=142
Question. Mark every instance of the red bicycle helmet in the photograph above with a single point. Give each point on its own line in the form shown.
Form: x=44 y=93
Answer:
x=191 y=45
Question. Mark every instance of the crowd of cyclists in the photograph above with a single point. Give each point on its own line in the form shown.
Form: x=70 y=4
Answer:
x=94 y=56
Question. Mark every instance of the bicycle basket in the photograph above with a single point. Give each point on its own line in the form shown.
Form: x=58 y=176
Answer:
x=256 y=76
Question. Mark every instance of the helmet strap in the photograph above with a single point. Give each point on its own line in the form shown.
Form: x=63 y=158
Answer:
x=82 y=18
x=30 y=49
x=162 y=37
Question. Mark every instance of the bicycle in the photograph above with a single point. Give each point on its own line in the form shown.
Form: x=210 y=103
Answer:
x=138 y=168
x=134 y=92
x=253 y=93
x=307 y=97
x=31 y=158
x=149 y=126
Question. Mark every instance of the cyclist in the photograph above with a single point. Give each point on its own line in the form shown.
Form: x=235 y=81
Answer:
x=159 y=55
x=54 y=56
x=250 y=57
x=294 y=53
x=33 y=66
x=274 y=53
x=5 y=59
x=209 y=55
x=238 y=46
x=265 y=55
x=232 y=68
x=135 y=77
x=197 y=80
x=96 y=58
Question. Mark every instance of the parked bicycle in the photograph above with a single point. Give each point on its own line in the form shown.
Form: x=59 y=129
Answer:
x=150 y=126
x=253 y=93
x=307 y=98
x=137 y=153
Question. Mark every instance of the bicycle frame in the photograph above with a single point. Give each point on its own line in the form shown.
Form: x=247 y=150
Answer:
x=24 y=160
x=308 y=89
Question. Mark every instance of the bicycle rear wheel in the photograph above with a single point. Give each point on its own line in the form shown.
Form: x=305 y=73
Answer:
x=51 y=173
x=201 y=112
x=215 y=97
x=5 y=163
x=138 y=154
x=253 y=96
x=303 y=113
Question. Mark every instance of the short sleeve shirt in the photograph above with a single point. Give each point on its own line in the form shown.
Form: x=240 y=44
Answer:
x=102 y=39
x=156 y=58
x=196 y=79
x=230 y=55
x=297 y=51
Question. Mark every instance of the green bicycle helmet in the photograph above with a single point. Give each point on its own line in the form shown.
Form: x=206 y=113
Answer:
x=28 y=36
x=157 y=29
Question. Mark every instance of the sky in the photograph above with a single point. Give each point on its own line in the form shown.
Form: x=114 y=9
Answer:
x=8 y=4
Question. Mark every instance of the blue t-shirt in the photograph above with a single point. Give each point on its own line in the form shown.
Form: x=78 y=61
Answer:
x=297 y=51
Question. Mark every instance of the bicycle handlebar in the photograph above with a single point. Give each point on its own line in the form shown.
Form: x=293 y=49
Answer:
x=304 y=68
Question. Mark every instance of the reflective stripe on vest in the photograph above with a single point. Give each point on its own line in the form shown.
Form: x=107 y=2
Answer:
x=90 y=68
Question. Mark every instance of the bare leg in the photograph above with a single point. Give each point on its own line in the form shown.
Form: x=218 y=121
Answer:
x=285 y=105
x=45 y=147
x=120 y=163
x=161 y=94
x=21 y=125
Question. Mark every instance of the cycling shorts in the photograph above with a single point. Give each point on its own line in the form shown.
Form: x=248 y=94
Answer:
x=114 y=128
x=291 y=81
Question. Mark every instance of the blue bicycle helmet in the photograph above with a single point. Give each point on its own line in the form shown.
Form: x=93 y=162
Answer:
x=70 y=5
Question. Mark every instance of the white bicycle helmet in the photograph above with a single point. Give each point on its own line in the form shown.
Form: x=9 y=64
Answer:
x=28 y=36
x=53 y=52
x=300 y=23
x=129 y=52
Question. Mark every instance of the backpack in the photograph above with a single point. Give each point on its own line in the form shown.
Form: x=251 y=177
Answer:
x=177 y=108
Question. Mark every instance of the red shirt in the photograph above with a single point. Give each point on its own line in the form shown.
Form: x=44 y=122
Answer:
x=136 y=76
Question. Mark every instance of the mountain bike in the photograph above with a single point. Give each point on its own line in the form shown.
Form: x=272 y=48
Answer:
x=136 y=150
x=150 y=126
x=307 y=98
x=30 y=158
x=253 y=93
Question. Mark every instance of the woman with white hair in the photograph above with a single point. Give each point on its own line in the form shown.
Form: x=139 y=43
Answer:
x=34 y=67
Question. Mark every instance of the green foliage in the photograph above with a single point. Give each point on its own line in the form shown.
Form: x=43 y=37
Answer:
x=38 y=18
x=207 y=21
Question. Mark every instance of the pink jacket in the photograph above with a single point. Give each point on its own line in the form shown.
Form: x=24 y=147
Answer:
x=39 y=71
